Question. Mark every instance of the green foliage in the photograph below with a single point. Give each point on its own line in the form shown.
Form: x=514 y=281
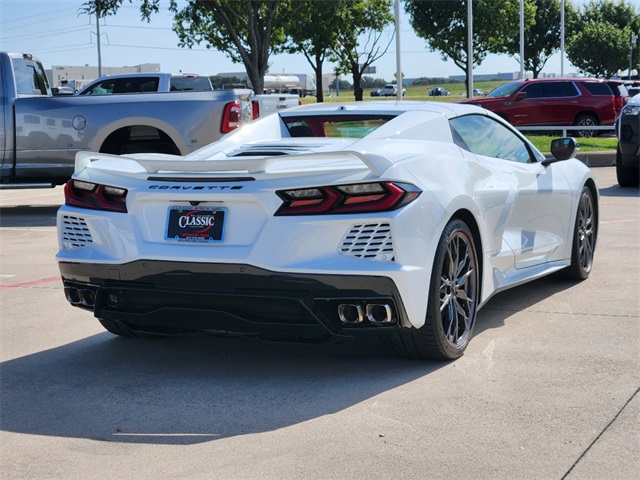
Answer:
x=443 y=24
x=542 y=33
x=314 y=33
x=370 y=82
x=360 y=38
x=601 y=36
x=428 y=81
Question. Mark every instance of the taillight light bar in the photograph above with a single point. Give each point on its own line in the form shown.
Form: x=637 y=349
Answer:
x=255 y=107
x=342 y=199
x=231 y=117
x=78 y=193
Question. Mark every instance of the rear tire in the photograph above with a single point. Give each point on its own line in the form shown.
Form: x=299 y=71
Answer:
x=453 y=300
x=586 y=120
x=584 y=238
x=627 y=177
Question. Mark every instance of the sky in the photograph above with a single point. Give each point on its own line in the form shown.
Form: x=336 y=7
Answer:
x=58 y=34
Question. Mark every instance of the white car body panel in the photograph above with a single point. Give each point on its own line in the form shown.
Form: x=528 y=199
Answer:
x=525 y=213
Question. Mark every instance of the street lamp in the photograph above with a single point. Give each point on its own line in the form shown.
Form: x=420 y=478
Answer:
x=634 y=39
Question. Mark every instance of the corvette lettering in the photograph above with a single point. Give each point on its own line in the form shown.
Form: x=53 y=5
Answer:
x=195 y=187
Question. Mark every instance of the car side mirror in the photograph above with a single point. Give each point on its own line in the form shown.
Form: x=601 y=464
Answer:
x=562 y=149
x=521 y=96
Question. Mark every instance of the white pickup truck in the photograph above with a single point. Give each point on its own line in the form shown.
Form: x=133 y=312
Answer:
x=146 y=83
x=263 y=104
x=40 y=134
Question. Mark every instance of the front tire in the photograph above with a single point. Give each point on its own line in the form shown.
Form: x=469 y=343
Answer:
x=584 y=238
x=627 y=177
x=453 y=300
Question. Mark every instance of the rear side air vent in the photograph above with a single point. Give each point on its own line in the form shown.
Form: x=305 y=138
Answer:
x=372 y=241
x=75 y=232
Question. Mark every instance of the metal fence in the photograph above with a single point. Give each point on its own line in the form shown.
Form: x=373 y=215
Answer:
x=564 y=129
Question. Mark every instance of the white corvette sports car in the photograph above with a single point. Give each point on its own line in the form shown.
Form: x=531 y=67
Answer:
x=327 y=220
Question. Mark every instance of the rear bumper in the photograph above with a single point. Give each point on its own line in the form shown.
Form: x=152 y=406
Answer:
x=230 y=299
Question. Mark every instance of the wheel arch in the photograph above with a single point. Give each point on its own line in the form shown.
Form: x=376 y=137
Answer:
x=123 y=134
x=106 y=131
x=590 y=113
x=467 y=217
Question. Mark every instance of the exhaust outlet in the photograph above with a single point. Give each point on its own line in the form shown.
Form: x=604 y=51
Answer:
x=87 y=297
x=72 y=294
x=379 y=313
x=350 y=313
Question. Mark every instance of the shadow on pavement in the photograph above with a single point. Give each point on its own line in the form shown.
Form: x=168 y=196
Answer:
x=618 y=191
x=29 y=216
x=188 y=390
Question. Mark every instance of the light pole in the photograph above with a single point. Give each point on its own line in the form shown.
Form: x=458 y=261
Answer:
x=634 y=39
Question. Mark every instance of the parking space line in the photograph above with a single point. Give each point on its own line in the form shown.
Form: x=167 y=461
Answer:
x=629 y=220
x=31 y=283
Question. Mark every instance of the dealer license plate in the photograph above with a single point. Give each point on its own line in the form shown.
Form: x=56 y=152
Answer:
x=196 y=224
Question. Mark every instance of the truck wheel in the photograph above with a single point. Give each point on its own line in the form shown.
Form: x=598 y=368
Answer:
x=627 y=177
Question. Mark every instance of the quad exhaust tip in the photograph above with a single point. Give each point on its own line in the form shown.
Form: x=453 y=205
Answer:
x=80 y=296
x=378 y=313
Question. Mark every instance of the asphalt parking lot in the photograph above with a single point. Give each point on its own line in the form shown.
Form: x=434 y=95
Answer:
x=548 y=388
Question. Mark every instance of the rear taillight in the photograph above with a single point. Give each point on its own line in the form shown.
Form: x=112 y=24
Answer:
x=78 y=193
x=231 y=117
x=355 y=198
x=255 y=107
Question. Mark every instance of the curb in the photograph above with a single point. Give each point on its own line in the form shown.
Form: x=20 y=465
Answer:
x=598 y=159
x=595 y=159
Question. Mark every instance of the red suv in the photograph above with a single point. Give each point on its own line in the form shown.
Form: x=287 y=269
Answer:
x=557 y=101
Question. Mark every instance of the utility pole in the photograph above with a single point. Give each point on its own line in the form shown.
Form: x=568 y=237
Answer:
x=98 y=38
x=634 y=39
x=562 y=38
x=398 y=56
x=522 y=72
x=470 y=48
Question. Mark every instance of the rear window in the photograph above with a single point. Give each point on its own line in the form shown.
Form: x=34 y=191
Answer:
x=560 y=89
x=189 y=84
x=112 y=86
x=598 y=89
x=30 y=77
x=335 y=126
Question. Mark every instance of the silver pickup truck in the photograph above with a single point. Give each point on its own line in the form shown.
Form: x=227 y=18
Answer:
x=41 y=134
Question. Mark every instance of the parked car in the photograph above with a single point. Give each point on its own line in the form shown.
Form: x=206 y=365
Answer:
x=620 y=94
x=376 y=93
x=438 y=92
x=391 y=90
x=628 y=151
x=477 y=92
x=557 y=101
x=327 y=220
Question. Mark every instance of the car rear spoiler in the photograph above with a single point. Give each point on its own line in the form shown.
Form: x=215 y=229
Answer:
x=291 y=164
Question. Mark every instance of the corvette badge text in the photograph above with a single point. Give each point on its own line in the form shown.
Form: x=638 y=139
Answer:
x=195 y=187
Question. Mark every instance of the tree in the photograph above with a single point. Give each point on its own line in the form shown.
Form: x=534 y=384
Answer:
x=248 y=31
x=359 y=40
x=601 y=35
x=443 y=24
x=542 y=34
x=314 y=32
